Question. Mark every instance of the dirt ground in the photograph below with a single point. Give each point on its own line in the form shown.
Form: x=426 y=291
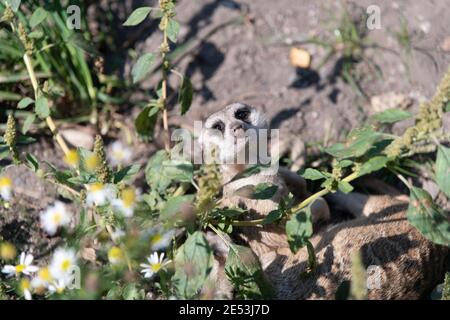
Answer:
x=249 y=62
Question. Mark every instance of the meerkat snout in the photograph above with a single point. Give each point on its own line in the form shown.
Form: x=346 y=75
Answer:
x=231 y=130
x=237 y=129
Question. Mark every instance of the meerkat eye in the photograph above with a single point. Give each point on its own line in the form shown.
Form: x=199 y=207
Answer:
x=219 y=125
x=242 y=114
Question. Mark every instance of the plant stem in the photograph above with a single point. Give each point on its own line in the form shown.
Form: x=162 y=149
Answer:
x=164 y=94
x=303 y=204
x=49 y=120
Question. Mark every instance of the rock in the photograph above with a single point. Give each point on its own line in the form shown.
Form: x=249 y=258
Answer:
x=300 y=58
x=389 y=100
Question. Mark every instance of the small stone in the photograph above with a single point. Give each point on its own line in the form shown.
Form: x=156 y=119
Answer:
x=300 y=58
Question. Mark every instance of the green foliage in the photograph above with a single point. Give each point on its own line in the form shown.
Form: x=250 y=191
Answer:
x=146 y=121
x=244 y=271
x=185 y=96
x=38 y=16
x=392 y=115
x=430 y=220
x=115 y=227
x=262 y=191
x=137 y=16
x=193 y=263
x=24 y=103
x=443 y=169
x=42 y=108
x=359 y=142
x=142 y=67
x=299 y=229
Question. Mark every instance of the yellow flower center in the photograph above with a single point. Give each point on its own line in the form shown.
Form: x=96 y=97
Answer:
x=156 y=267
x=7 y=251
x=44 y=274
x=118 y=154
x=155 y=238
x=72 y=158
x=25 y=284
x=5 y=182
x=20 y=268
x=91 y=162
x=115 y=253
x=65 y=265
x=96 y=187
x=57 y=217
x=128 y=197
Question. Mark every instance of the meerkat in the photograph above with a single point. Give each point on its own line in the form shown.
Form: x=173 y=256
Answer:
x=406 y=264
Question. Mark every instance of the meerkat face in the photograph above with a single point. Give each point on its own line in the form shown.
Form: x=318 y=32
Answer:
x=231 y=130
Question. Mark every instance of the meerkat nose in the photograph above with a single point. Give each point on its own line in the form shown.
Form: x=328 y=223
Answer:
x=237 y=129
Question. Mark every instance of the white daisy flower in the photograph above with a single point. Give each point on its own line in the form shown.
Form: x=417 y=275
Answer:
x=119 y=154
x=62 y=263
x=115 y=255
x=98 y=194
x=58 y=286
x=117 y=234
x=126 y=203
x=156 y=263
x=25 y=288
x=42 y=279
x=5 y=188
x=159 y=238
x=54 y=217
x=24 y=266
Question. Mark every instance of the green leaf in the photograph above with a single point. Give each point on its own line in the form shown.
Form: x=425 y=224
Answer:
x=250 y=171
x=359 y=142
x=41 y=107
x=193 y=263
x=142 y=67
x=171 y=213
x=443 y=169
x=299 y=229
x=447 y=107
x=345 y=163
x=173 y=27
x=153 y=172
x=345 y=187
x=25 y=102
x=245 y=272
x=185 y=95
x=231 y=213
x=137 y=16
x=313 y=174
x=430 y=220
x=273 y=216
x=23 y=140
x=37 y=17
x=4 y=152
x=32 y=161
x=126 y=173
x=131 y=292
x=392 y=115
x=146 y=121
x=37 y=34
x=77 y=40
x=28 y=122
x=15 y=4
x=178 y=170
x=373 y=164
x=261 y=191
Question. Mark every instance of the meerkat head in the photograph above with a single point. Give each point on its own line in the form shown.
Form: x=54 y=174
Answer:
x=230 y=132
